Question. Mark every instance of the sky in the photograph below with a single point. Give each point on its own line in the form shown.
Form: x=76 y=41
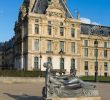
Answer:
x=91 y=11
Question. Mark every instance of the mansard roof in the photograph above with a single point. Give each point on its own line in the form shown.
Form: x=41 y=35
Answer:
x=40 y=7
x=88 y=29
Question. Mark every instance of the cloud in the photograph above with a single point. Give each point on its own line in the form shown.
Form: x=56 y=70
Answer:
x=88 y=21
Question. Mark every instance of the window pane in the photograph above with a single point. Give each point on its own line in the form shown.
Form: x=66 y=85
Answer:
x=105 y=53
x=95 y=43
x=72 y=63
x=36 y=20
x=96 y=52
x=49 y=22
x=36 y=45
x=105 y=44
x=86 y=65
x=86 y=52
x=62 y=45
x=105 y=66
x=61 y=31
x=85 y=42
x=72 y=32
x=73 y=47
x=37 y=28
x=61 y=23
x=61 y=63
x=36 y=62
x=49 y=28
x=49 y=45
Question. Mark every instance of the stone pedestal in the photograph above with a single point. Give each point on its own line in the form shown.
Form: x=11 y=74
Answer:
x=79 y=98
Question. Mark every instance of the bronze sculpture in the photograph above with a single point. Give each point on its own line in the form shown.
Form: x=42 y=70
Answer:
x=66 y=86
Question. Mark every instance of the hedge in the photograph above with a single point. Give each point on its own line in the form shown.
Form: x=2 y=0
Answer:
x=14 y=73
x=92 y=78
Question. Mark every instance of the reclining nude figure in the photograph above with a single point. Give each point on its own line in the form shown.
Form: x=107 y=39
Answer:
x=66 y=86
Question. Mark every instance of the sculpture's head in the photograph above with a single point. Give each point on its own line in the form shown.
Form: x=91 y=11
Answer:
x=48 y=65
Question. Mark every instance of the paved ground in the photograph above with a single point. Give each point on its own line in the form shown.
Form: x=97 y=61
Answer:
x=32 y=91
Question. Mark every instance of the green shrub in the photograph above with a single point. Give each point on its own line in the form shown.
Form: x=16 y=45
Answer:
x=92 y=78
x=14 y=73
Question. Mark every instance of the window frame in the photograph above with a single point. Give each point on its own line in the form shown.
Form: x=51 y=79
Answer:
x=36 y=44
x=86 y=65
x=61 y=63
x=36 y=62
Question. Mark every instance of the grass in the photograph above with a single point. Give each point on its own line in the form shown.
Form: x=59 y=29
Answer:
x=100 y=78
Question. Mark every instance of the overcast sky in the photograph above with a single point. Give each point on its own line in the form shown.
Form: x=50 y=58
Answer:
x=91 y=11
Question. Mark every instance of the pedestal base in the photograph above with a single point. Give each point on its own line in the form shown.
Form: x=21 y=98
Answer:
x=79 y=98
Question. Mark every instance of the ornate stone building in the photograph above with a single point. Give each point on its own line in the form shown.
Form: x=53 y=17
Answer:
x=47 y=31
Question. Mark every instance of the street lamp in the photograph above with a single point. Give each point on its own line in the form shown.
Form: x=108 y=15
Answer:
x=96 y=62
x=40 y=61
x=40 y=54
x=61 y=53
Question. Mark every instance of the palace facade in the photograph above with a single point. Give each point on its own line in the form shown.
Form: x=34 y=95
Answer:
x=47 y=31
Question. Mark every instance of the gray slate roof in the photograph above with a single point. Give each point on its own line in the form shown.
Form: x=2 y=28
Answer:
x=87 y=29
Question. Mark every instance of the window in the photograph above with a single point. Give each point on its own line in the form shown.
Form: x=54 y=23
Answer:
x=49 y=28
x=72 y=63
x=2 y=57
x=36 y=45
x=37 y=20
x=73 y=47
x=36 y=62
x=105 y=66
x=61 y=23
x=86 y=52
x=49 y=45
x=61 y=63
x=2 y=63
x=105 y=53
x=85 y=42
x=72 y=32
x=49 y=59
x=61 y=29
x=86 y=65
x=96 y=52
x=96 y=43
x=37 y=28
x=105 y=44
x=62 y=45
x=73 y=25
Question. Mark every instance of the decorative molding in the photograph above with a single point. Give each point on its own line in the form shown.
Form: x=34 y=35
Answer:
x=53 y=7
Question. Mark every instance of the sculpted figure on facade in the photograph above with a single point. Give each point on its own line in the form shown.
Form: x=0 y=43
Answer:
x=55 y=5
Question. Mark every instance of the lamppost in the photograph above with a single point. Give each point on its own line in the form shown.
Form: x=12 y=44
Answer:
x=40 y=61
x=40 y=54
x=61 y=53
x=96 y=62
x=96 y=31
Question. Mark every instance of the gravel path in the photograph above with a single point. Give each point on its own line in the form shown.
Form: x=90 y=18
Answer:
x=32 y=91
